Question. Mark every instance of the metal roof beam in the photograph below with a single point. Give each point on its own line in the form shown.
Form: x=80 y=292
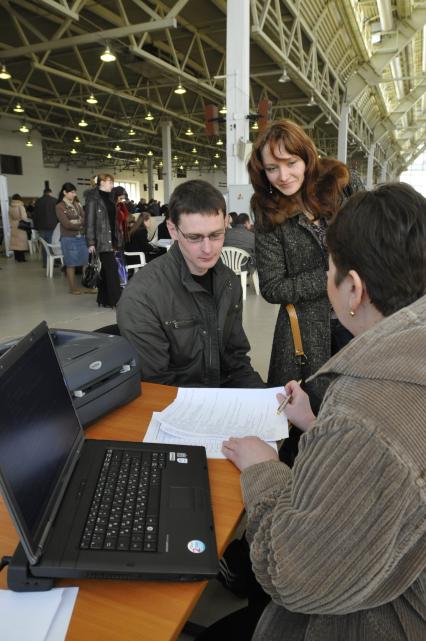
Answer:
x=61 y=8
x=97 y=36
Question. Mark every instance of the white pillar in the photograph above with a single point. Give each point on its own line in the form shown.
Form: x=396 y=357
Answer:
x=383 y=174
x=167 y=159
x=342 y=139
x=237 y=90
x=150 y=165
x=370 y=166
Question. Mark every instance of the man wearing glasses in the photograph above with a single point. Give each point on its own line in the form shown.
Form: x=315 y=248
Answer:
x=183 y=311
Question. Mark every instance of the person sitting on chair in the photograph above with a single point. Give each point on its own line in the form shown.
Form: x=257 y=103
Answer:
x=183 y=312
x=240 y=235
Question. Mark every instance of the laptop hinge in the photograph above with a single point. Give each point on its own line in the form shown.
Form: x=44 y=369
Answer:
x=19 y=577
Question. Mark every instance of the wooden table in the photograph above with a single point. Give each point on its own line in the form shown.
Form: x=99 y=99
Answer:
x=137 y=610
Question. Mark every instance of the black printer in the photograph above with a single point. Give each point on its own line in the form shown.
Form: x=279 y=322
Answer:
x=101 y=370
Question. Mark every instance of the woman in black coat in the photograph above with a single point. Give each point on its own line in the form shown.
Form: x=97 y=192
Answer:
x=104 y=235
x=138 y=241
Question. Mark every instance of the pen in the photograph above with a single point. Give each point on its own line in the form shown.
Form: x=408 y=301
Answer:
x=286 y=401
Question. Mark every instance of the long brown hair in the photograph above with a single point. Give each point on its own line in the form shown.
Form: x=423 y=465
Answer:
x=270 y=206
x=142 y=218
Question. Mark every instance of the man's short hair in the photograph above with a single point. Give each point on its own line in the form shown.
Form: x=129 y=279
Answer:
x=381 y=234
x=195 y=197
x=242 y=219
x=46 y=192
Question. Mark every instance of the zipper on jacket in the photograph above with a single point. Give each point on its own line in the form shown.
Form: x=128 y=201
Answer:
x=178 y=324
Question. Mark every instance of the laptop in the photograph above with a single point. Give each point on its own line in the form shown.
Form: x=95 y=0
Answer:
x=73 y=499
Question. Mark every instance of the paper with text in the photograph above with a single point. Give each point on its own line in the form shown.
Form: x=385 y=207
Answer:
x=224 y=412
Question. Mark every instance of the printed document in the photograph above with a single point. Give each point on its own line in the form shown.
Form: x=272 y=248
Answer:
x=208 y=416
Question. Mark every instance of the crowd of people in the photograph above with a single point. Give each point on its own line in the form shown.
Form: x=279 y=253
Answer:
x=336 y=520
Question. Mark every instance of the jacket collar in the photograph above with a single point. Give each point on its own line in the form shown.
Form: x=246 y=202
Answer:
x=394 y=349
x=176 y=256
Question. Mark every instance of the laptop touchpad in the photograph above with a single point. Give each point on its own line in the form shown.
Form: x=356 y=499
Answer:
x=181 y=497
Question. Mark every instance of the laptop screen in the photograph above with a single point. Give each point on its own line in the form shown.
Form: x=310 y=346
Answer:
x=38 y=431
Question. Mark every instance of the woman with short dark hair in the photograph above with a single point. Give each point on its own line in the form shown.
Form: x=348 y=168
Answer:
x=339 y=540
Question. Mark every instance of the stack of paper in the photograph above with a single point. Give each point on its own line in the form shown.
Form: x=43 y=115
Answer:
x=206 y=416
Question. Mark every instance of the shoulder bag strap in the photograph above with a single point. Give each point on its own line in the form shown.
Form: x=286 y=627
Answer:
x=295 y=330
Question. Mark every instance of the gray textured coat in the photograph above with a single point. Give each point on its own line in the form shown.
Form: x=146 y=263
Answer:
x=292 y=269
x=98 y=230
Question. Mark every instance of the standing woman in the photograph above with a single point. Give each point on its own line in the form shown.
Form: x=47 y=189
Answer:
x=18 y=237
x=295 y=195
x=103 y=235
x=73 y=242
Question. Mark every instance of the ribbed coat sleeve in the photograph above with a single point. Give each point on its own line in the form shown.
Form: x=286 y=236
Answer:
x=343 y=530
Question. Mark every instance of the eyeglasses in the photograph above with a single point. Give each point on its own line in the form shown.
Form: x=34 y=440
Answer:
x=216 y=236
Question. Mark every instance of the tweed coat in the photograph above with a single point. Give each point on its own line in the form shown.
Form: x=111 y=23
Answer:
x=18 y=237
x=292 y=268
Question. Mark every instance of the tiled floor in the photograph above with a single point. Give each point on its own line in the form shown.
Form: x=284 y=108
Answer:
x=28 y=297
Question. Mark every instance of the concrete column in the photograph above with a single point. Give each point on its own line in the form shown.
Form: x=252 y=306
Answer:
x=237 y=90
x=383 y=173
x=167 y=159
x=370 y=166
x=342 y=138
x=150 y=168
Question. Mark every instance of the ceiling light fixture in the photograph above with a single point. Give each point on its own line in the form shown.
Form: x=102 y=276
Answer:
x=180 y=89
x=92 y=100
x=189 y=132
x=255 y=126
x=77 y=139
x=219 y=142
x=196 y=162
x=82 y=123
x=4 y=74
x=117 y=148
x=215 y=166
x=160 y=164
x=29 y=143
x=132 y=132
x=18 y=108
x=312 y=102
x=284 y=76
x=107 y=55
x=137 y=159
x=222 y=110
x=109 y=155
x=73 y=151
x=149 y=116
x=194 y=150
x=181 y=167
x=23 y=128
x=150 y=153
x=175 y=157
x=216 y=155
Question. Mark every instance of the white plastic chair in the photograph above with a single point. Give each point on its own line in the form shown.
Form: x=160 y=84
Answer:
x=33 y=242
x=235 y=258
x=53 y=252
x=136 y=266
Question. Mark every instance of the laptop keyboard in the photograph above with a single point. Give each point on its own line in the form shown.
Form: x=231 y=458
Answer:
x=124 y=511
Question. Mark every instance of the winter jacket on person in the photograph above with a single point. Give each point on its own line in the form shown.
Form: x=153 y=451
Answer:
x=44 y=214
x=339 y=540
x=292 y=268
x=18 y=237
x=98 y=228
x=183 y=334
x=71 y=219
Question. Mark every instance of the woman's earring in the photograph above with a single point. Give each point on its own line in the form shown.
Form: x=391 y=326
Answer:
x=270 y=188
x=351 y=312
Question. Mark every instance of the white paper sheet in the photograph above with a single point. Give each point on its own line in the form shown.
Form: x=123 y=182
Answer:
x=157 y=433
x=221 y=413
x=34 y=615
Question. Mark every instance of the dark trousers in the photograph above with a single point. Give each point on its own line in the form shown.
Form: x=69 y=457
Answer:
x=19 y=256
x=109 y=290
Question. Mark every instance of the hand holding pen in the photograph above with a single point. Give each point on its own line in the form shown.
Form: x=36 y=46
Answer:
x=297 y=406
x=286 y=399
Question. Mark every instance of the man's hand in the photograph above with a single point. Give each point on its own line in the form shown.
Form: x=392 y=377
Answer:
x=91 y=249
x=298 y=410
x=247 y=451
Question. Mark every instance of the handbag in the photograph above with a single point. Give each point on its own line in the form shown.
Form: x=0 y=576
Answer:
x=91 y=275
x=122 y=271
x=25 y=225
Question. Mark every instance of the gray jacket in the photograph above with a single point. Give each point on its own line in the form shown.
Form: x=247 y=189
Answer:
x=184 y=335
x=292 y=269
x=98 y=229
x=339 y=540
